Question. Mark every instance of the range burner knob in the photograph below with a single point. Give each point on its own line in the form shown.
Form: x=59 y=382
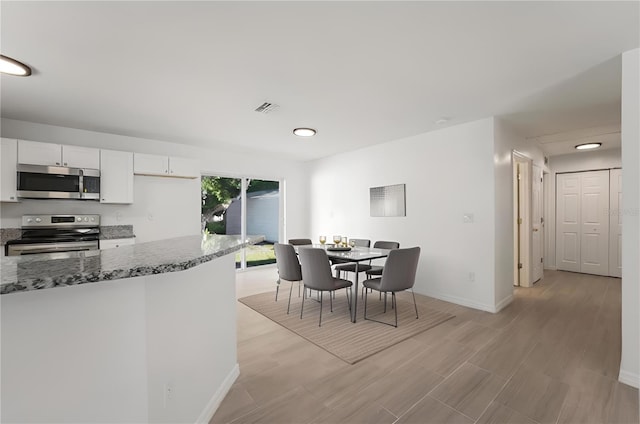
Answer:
x=38 y=219
x=93 y=219
x=29 y=220
x=86 y=219
x=79 y=219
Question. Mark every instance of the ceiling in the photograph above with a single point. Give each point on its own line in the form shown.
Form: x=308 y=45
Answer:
x=361 y=73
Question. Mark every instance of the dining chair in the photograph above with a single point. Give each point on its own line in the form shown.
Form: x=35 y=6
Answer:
x=288 y=268
x=300 y=242
x=399 y=274
x=316 y=275
x=377 y=269
x=351 y=266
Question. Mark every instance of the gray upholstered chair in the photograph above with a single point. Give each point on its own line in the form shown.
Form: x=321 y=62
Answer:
x=351 y=266
x=316 y=275
x=300 y=242
x=288 y=268
x=399 y=274
x=377 y=269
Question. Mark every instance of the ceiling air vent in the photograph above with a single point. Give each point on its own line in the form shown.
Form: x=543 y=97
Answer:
x=267 y=107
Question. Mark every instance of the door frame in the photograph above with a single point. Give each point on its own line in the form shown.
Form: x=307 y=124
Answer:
x=522 y=170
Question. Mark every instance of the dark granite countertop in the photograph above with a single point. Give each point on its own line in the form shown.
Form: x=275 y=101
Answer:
x=48 y=270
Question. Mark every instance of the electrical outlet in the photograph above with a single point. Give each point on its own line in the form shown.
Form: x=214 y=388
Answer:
x=167 y=393
x=472 y=276
x=467 y=218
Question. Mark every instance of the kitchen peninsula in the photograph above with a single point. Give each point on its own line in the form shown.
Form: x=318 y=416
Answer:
x=141 y=333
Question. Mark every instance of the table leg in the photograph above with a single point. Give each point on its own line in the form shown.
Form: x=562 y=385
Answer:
x=354 y=309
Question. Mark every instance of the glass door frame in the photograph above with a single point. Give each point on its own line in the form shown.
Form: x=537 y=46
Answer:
x=244 y=181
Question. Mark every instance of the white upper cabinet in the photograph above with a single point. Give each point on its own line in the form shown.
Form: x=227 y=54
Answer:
x=182 y=167
x=50 y=154
x=116 y=177
x=80 y=157
x=145 y=164
x=165 y=166
x=36 y=153
x=8 y=161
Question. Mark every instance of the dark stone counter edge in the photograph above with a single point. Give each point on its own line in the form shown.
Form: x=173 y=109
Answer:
x=118 y=274
x=115 y=237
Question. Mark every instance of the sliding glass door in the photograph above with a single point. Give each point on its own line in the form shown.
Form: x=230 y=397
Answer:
x=243 y=206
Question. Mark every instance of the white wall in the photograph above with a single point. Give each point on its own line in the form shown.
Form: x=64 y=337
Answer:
x=629 y=364
x=574 y=162
x=447 y=173
x=506 y=140
x=162 y=207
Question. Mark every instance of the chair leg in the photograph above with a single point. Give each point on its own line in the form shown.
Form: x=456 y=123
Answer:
x=289 y=304
x=414 y=302
x=365 y=294
x=331 y=296
x=347 y=289
x=385 y=303
x=320 y=321
x=298 y=288
x=277 y=288
x=393 y=300
x=304 y=295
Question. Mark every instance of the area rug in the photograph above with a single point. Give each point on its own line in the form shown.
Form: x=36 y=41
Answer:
x=338 y=335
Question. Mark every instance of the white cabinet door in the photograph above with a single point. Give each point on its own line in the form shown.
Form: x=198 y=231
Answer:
x=182 y=167
x=116 y=177
x=615 y=224
x=80 y=157
x=113 y=243
x=36 y=153
x=8 y=161
x=145 y=164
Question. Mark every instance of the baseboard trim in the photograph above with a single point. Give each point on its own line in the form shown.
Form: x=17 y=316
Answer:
x=218 y=396
x=503 y=303
x=629 y=378
x=462 y=302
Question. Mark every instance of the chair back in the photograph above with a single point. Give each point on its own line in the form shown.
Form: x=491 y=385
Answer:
x=386 y=245
x=287 y=262
x=300 y=242
x=362 y=242
x=316 y=270
x=400 y=270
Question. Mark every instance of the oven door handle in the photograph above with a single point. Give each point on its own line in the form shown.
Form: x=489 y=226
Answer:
x=22 y=249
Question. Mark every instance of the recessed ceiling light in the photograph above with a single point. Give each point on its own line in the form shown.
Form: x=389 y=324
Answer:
x=304 y=132
x=442 y=120
x=13 y=67
x=587 y=146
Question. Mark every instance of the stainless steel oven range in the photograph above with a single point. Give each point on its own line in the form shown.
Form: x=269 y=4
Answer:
x=56 y=233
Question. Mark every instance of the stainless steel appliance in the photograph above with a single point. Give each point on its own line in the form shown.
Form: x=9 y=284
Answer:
x=56 y=233
x=57 y=182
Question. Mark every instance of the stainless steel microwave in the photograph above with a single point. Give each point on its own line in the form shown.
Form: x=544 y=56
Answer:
x=56 y=182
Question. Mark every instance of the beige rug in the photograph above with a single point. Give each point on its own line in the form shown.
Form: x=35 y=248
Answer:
x=338 y=335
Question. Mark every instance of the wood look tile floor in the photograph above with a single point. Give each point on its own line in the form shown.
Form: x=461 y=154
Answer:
x=552 y=356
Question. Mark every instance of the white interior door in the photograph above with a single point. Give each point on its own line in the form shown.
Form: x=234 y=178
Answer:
x=524 y=219
x=594 y=225
x=615 y=223
x=537 y=266
x=568 y=222
x=582 y=224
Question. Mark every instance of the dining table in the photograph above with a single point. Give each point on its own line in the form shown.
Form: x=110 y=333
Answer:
x=355 y=255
